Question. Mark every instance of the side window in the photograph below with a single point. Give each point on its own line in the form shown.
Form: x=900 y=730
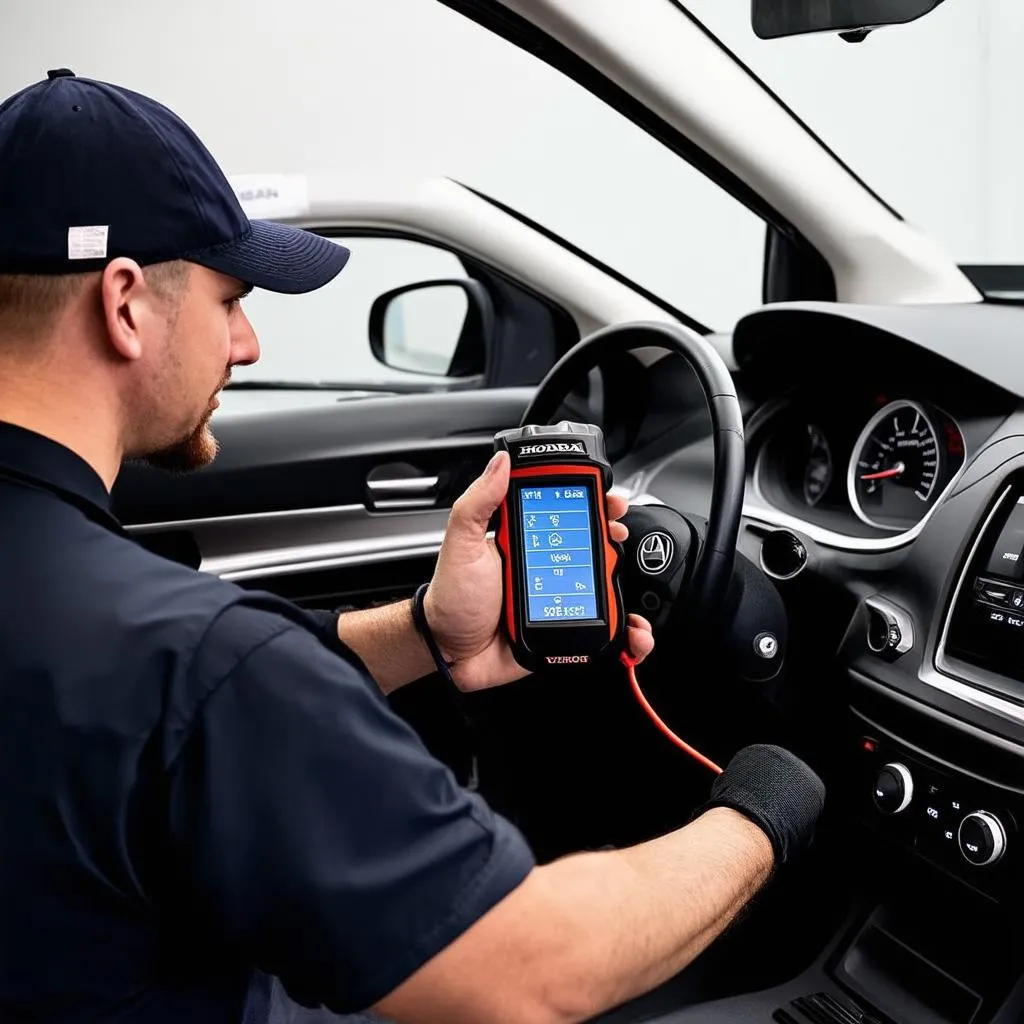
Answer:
x=324 y=336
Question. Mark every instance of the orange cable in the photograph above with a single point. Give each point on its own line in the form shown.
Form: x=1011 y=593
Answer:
x=630 y=662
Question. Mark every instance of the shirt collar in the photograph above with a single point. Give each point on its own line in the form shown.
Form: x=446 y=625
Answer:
x=39 y=461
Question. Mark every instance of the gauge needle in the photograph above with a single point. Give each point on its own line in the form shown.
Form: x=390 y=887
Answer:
x=885 y=474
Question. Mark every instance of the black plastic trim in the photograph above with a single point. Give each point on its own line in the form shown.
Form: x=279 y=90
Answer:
x=998 y=282
x=794 y=271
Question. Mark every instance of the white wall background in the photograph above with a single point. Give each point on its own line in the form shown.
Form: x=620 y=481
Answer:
x=930 y=114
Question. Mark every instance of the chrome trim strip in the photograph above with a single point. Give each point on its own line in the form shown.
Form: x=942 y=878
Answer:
x=246 y=517
x=762 y=512
x=276 y=559
x=340 y=560
x=965 y=567
x=972 y=695
x=403 y=504
x=943 y=676
x=948 y=717
x=766 y=513
x=270 y=543
x=769 y=515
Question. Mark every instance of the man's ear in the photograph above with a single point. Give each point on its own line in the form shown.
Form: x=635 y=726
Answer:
x=127 y=306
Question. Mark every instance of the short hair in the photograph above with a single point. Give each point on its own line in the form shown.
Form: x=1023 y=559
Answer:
x=31 y=304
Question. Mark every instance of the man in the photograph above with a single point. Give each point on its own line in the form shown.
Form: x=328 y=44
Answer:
x=201 y=788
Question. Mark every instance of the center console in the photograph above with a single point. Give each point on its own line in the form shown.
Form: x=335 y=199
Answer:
x=935 y=777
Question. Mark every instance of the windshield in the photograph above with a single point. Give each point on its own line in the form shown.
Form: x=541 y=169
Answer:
x=927 y=114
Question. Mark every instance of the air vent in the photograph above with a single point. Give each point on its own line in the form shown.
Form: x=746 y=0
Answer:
x=986 y=622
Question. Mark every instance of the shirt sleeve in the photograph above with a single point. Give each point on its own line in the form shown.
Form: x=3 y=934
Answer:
x=314 y=835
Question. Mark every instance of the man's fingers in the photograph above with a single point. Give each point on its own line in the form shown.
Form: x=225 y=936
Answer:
x=471 y=513
x=618 y=506
x=639 y=636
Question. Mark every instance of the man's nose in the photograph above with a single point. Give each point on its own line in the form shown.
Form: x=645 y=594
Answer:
x=245 y=346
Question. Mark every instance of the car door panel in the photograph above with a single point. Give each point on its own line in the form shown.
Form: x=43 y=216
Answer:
x=329 y=486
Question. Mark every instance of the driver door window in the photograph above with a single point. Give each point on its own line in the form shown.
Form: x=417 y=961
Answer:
x=324 y=336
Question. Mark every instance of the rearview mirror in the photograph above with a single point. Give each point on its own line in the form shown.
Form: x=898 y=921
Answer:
x=438 y=328
x=775 y=19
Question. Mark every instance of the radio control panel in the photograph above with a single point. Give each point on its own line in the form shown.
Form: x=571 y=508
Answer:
x=965 y=827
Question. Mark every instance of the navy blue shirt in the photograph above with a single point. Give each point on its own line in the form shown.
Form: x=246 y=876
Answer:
x=201 y=788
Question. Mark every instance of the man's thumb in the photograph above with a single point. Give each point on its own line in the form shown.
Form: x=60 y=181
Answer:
x=471 y=514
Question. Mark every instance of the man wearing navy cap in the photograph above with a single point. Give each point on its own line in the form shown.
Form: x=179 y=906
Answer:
x=204 y=795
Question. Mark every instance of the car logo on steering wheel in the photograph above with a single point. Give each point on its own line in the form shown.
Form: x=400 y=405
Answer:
x=655 y=553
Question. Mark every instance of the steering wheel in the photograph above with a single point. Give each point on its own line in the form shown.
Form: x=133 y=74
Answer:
x=688 y=568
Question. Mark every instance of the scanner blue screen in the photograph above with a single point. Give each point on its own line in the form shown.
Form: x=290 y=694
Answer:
x=558 y=549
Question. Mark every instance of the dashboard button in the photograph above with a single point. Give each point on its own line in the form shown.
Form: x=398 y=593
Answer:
x=940 y=842
x=894 y=788
x=934 y=813
x=982 y=838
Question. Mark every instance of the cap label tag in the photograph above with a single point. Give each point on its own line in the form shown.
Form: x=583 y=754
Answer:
x=88 y=243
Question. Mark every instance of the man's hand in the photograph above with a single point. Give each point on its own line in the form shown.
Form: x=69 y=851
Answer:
x=463 y=603
x=777 y=792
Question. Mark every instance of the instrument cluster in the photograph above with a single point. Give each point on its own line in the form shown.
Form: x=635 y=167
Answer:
x=884 y=465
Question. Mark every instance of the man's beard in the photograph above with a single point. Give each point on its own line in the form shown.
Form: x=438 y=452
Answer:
x=193 y=452
x=196 y=450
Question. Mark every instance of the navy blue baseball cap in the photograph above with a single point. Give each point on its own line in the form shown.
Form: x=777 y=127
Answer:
x=90 y=171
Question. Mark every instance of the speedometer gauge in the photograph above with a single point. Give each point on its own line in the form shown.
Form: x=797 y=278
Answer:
x=895 y=467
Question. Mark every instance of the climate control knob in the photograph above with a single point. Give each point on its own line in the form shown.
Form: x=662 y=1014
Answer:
x=982 y=838
x=894 y=788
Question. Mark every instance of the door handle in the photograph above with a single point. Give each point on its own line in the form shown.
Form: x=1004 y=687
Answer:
x=401 y=492
x=411 y=485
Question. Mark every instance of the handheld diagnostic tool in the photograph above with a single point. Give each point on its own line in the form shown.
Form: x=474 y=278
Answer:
x=563 y=604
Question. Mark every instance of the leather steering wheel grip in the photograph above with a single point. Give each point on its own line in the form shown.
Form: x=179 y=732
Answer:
x=714 y=564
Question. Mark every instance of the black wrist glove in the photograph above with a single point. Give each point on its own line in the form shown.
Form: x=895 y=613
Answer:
x=776 y=791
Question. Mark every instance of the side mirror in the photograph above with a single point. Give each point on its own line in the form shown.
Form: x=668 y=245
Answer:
x=437 y=328
x=852 y=19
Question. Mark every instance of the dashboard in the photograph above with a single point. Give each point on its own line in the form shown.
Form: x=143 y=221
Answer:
x=885 y=498
x=858 y=432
